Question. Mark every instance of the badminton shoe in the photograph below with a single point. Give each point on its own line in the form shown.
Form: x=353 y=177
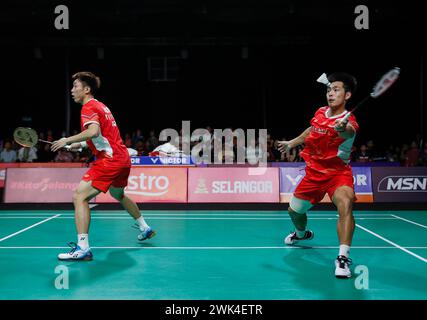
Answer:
x=76 y=253
x=146 y=234
x=342 y=267
x=292 y=238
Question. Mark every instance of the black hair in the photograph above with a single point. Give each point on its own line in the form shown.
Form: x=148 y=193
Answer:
x=89 y=79
x=350 y=82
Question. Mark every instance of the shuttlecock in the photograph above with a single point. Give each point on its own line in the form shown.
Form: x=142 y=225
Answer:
x=324 y=79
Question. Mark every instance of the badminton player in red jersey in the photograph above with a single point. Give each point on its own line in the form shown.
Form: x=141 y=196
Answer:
x=328 y=143
x=110 y=170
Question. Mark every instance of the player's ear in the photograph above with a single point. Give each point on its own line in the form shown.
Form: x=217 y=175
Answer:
x=347 y=95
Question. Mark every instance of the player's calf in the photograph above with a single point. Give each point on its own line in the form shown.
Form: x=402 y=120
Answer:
x=297 y=211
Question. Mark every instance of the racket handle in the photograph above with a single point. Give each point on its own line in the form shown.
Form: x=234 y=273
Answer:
x=345 y=119
x=69 y=149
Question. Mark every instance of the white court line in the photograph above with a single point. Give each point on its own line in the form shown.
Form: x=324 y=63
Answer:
x=410 y=221
x=392 y=243
x=217 y=248
x=27 y=228
x=127 y=217
x=115 y=212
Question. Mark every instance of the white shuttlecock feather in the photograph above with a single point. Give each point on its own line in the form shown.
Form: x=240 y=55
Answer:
x=324 y=79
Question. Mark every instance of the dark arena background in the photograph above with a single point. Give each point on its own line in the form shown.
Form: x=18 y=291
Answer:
x=220 y=225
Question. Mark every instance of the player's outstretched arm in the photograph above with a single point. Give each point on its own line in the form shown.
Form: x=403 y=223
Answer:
x=285 y=146
x=91 y=132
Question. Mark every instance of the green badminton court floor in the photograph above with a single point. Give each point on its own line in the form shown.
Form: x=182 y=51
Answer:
x=212 y=255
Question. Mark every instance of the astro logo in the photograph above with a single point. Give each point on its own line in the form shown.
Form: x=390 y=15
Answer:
x=403 y=184
x=147 y=185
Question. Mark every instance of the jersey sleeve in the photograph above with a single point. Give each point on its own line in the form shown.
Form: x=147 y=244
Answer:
x=88 y=116
x=352 y=120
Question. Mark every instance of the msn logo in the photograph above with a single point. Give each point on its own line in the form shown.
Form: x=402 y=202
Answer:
x=403 y=184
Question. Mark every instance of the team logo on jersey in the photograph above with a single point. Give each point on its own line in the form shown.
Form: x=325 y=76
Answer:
x=319 y=130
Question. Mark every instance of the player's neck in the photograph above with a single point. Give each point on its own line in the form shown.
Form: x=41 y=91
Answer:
x=336 y=111
x=86 y=99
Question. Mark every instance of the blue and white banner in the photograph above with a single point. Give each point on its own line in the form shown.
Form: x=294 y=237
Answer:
x=161 y=161
x=290 y=177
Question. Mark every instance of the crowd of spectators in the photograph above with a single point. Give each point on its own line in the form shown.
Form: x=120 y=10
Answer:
x=408 y=154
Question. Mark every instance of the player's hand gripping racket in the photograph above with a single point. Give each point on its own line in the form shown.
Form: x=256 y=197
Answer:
x=28 y=137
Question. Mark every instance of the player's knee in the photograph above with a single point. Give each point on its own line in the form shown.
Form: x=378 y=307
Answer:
x=77 y=197
x=299 y=205
x=344 y=205
x=346 y=201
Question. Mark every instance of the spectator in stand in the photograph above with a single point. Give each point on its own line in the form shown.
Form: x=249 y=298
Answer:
x=373 y=151
x=85 y=156
x=147 y=148
x=139 y=147
x=291 y=155
x=153 y=140
x=403 y=154
x=370 y=146
x=419 y=140
x=277 y=154
x=49 y=136
x=370 y=149
x=423 y=155
x=412 y=155
x=252 y=150
x=42 y=136
x=128 y=141
x=27 y=154
x=239 y=150
x=8 y=154
x=392 y=154
x=397 y=151
x=363 y=155
x=64 y=156
x=44 y=154
x=270 y=147
x=353 y=153
x=137 y=136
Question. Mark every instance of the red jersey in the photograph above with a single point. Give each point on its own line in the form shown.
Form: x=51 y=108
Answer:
x=108 y=145
x=325 y=151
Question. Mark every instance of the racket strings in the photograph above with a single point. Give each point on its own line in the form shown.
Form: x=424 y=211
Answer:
x=26 y=137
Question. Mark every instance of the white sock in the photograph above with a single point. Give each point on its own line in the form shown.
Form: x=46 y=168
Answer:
x=300 y=233
x=142 y=224
x=344 y=250
x=83 y=240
